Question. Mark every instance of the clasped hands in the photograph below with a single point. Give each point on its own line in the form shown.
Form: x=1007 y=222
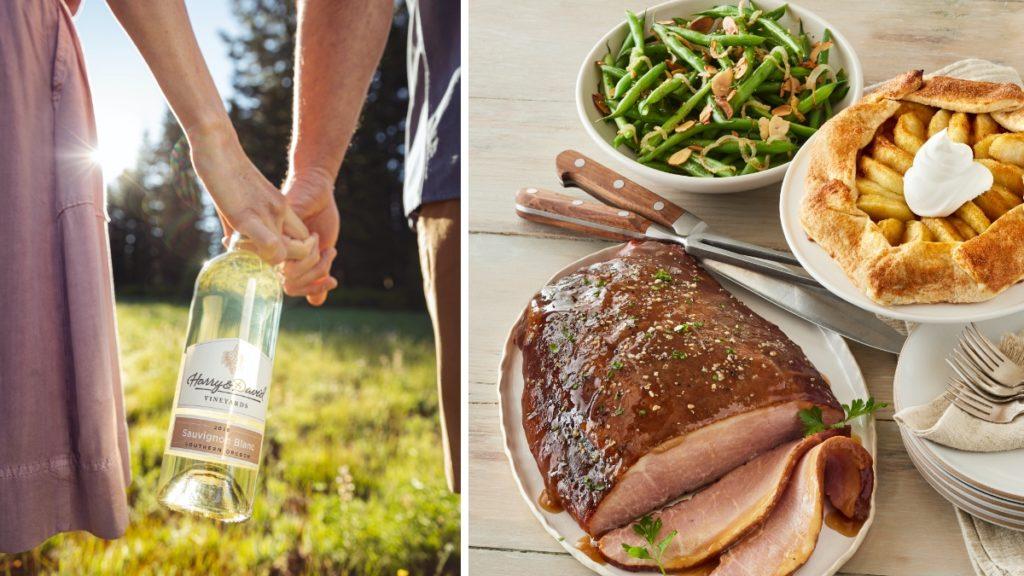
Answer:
x=297 y=225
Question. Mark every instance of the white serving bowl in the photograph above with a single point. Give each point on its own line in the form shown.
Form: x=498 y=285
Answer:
x=841 y=55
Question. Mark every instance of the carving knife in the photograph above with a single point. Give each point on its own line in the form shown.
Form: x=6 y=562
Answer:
x=813 y=304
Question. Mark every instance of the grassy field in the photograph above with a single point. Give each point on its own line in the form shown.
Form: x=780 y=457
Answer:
x=352 y=479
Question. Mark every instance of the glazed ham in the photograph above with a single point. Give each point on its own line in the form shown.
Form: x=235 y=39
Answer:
x=838 y=468
x=719 y=515
x=645 y=380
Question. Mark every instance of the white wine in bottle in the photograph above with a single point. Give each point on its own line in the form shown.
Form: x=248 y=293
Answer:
x=215 y=439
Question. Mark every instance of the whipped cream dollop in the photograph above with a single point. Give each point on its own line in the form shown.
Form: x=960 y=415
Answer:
x=944 y=177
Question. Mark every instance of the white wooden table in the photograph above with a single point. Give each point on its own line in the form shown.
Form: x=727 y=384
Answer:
x=524 y=56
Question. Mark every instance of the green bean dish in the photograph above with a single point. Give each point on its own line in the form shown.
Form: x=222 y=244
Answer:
x=728 y=91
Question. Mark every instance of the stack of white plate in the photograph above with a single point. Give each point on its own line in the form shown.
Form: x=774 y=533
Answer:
x=989 y=485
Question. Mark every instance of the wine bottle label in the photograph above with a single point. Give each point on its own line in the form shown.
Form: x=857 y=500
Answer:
x=228 y=375
x=215 y=440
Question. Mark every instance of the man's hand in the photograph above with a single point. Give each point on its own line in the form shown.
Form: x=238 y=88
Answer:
x=311 y=196
x=245 y=200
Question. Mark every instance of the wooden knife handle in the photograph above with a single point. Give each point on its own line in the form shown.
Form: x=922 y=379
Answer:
x=612 y=188
x=589 y=218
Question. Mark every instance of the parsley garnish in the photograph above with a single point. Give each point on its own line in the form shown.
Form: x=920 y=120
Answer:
x=662 y=275
x=553 y=347
x=679 y=355
x=648 y=529
x=593 y=486
x=813 y=423
x=687 y=326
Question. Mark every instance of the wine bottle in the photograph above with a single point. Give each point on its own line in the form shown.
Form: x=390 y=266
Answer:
x=215 y=439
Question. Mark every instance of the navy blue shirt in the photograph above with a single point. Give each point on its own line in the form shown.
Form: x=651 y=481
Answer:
x=433 y=126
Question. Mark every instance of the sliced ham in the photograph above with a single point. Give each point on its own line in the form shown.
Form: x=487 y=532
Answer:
x=838 y=468
x=719 y=515
x=645 y=380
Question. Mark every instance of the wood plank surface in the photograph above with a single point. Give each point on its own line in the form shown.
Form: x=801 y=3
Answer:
x=523 y=61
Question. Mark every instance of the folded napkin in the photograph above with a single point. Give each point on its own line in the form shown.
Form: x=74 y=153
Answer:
x=994 y=550
x=942 y=422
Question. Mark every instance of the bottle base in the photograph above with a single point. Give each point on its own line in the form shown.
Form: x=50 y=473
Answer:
x=206 y=493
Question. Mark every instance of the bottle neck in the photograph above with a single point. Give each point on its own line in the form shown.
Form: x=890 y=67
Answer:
x=238 y=241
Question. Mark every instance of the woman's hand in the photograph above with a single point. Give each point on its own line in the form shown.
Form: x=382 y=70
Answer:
x=311 y=196
x=245 y=200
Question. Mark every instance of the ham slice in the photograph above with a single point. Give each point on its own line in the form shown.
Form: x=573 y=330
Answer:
x=645 y=380
x=718 y=516
x=838 y=468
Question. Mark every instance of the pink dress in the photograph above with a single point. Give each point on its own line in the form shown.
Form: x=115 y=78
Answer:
x=63 y=437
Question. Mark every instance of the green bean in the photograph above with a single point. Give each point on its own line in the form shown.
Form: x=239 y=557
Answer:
x=664 y=89
x=773 y=99
x=627 y=45
x=636 y=29
x=802 y=130
x=626 y=134
x=747 y=86
x=840 y=92
x=782 y=37
x=614 y=71
x=656 y=51
x=678 y=48
x=694 y=168
x=750 y=168
x=633 y=94
x=769 y=88
x=685 y=109
x=716 y=111
x=721 y=11
x=717 y=167
x=823 y=54
x=673 y=141
x=820 y=94
x=622 y=86
x=776 y=13
x=814 y=120
x=737 y=124
x=762 y=147
x=721 y=39
x=748 y=51
x=794 y=71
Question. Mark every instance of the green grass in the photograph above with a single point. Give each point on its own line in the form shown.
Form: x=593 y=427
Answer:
x=352 y=479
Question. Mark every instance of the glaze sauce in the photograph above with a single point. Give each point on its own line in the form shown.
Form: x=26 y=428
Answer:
x=587 y=546
x=845 y=526
x=547 y=503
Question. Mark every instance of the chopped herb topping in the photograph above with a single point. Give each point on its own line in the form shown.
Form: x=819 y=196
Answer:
x=679 y=355
x=662 y=275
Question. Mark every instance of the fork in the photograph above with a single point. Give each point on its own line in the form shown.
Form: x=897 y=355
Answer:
x=990 y=359
x=965 y=398
x=968 y=370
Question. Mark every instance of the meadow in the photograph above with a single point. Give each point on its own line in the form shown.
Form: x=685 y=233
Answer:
x=352 y=479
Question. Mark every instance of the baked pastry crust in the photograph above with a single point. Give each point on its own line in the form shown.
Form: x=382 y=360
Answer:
x=916 y=272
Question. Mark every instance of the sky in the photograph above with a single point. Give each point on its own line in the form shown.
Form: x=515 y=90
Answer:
x=126 y=97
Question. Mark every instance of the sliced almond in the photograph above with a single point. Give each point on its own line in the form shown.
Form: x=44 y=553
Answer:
x=722 y=82
x=685 y=126
x=667 y=22
x=716 y=50
x=762 y=128
x=783 y=110
x=729 y=25
x=705 y=115
x=817 y=50
x=741 y=67
x=723 y=103
x=778 y=127
x=702 y=24
x=601 y=105
x=680 y=157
